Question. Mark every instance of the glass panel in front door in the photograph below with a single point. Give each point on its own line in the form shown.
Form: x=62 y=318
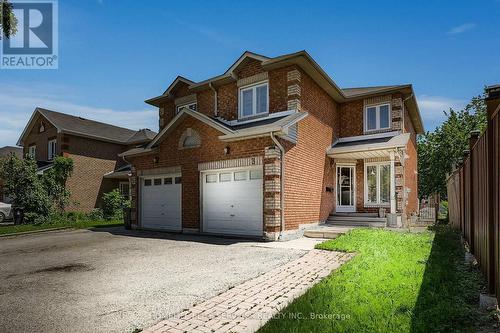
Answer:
x=345 y=184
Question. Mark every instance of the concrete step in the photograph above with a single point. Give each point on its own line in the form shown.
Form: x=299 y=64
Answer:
x=357 y=223
x=321 y=234
x=327 y=232
x=356 y=214
x=356 y=218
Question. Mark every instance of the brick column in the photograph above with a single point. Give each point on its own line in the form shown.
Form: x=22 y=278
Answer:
x=272 y=192
x=293 y=90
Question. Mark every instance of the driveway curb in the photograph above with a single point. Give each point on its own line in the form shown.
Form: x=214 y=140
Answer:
x=35 y=232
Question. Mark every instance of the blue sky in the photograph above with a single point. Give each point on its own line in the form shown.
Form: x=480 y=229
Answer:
x=115 y=54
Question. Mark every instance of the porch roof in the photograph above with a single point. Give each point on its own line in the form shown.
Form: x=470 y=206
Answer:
x=368 y=146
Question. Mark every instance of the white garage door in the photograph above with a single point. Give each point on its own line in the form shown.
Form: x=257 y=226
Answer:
x=232 y=201
x=161 y=202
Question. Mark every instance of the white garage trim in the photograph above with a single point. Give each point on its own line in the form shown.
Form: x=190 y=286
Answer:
x=160 y=201
x=235 y=163
x=232 y=203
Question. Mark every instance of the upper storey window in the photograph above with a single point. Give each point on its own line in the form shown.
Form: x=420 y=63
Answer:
x=191 y=106
x=254 y=100
x=377 y=117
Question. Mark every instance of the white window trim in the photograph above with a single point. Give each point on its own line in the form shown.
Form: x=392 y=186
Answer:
x=365 y=179
x=185 y=105
x=32 y=151
x=51 y=151
x=377 y=117
x=254 y=99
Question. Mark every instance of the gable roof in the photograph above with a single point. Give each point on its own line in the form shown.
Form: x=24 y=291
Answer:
x=361 y=91
x=185 y=112
x=80 y=126
x=314 y=70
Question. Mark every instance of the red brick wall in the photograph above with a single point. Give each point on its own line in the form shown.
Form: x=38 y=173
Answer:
x=351 y=118
x=211 y=149
x=227 y=94
x=41 y=139
x=308 y=170
x=91 y=159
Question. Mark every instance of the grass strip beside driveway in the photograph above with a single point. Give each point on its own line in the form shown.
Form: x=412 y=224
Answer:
x=398 y=282
x=78 y=224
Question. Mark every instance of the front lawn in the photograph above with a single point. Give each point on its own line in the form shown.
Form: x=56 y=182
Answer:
x=398 y=282
x=60 y=223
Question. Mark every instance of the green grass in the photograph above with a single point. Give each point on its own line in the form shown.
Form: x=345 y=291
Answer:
x=77 y=224
x=397 y=282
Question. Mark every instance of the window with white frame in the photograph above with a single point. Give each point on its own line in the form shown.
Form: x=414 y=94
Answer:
x=125 y=190
x=254 y=100
x=377 y=183
x=32 y=151
x=191 y=106
x=52 y=149
x=377 y=117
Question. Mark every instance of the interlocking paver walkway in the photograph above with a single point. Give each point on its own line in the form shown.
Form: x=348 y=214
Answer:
x=250 y=305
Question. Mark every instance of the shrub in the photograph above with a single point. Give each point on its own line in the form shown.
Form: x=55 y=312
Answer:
x=96 y=214
x=37 y=194
x=25 y=188
x=113 y=204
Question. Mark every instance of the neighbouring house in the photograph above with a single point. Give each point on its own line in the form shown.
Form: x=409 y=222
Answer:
x=93 y=146
x=5 y=152
x=272 y=147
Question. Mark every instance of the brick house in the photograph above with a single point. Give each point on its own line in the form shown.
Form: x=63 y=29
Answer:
x=93 y=146
x=272 y=147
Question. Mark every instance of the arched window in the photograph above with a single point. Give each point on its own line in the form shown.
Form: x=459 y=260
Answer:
x=189 y=139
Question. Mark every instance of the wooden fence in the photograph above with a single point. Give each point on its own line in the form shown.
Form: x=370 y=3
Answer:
x=474 y=198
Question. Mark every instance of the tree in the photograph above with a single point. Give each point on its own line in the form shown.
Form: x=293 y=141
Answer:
x=439 y=151
x=8 y=21
x=54 y=181
x=24 y=187
x=37 y=194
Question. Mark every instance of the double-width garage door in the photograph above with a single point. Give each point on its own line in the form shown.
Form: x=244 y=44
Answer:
x=232 y=201
x=161 y=197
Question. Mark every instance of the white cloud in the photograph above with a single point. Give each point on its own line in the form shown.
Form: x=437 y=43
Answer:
x=432 y=107
x=461 y=28
x=17 y=105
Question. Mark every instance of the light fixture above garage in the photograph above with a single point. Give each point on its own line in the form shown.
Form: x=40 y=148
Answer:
x=226 y=150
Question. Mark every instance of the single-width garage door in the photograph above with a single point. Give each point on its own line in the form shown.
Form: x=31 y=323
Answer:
x=232 y=201
x=161 y=202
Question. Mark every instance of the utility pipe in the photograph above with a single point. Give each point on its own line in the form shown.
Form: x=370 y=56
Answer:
x=216 y=111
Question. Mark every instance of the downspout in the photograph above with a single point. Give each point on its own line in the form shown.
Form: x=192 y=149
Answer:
x=282 y=184
x=216 y=111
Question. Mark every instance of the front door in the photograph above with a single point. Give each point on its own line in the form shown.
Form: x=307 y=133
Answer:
x=346 y=198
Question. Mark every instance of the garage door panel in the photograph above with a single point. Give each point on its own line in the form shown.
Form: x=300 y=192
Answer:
x=232 y=207
x=161 y=203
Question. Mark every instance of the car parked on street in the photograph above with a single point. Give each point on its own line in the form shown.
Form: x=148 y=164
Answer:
x=5 y=212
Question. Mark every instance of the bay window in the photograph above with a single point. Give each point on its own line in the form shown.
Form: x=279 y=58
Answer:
x=254 y=100
x=377 y=117
x=377 y=183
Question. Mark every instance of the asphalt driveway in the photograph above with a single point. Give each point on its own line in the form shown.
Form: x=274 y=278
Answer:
x=112 y=280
